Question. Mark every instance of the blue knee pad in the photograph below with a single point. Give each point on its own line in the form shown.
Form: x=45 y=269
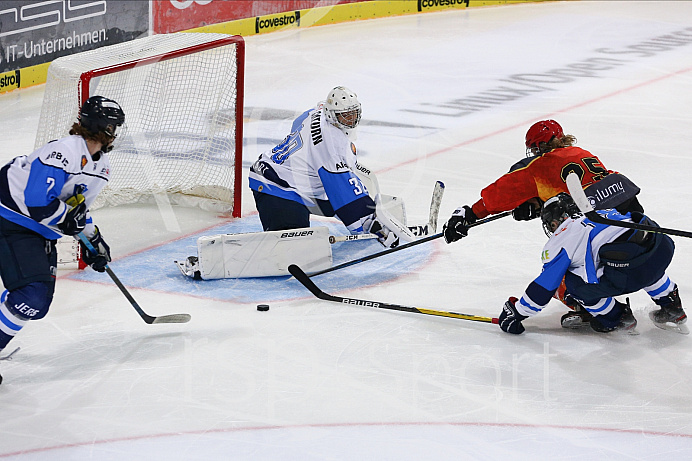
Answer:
x=30 y=302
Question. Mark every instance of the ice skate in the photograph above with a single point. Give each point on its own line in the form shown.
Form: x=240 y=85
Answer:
x=7 y=357
x=190 y=267
x=627 y=323
x=576 y=319
x=671 y=315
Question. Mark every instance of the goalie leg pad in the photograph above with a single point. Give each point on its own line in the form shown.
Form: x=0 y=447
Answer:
x=263 y=254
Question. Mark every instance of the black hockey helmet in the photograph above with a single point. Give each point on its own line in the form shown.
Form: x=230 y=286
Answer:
x=101 y=115
x=555 y=210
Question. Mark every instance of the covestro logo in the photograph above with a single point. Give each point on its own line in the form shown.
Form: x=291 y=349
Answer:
x=9 y=81
x=430 y=4
x=267 y=23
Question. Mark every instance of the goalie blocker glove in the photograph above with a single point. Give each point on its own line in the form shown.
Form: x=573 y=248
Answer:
x=456 y=227
x=100 y=260
x=510 y=319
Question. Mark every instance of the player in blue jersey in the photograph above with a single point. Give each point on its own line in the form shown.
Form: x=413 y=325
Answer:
x=313 y=171
x=599 y=262
x=44 y=196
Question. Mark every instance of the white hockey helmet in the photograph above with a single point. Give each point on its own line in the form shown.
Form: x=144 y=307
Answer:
x=342 y=109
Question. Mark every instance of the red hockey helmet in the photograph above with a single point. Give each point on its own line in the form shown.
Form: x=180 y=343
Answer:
x=542 y=131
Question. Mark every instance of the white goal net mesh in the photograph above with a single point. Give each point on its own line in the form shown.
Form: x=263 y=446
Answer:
x=182 y=98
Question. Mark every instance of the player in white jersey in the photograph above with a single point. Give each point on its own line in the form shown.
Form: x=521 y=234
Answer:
x=599 y=262
x=44 y=196
x=313 y=171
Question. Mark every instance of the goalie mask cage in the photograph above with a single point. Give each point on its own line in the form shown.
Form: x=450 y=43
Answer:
x=182 y=95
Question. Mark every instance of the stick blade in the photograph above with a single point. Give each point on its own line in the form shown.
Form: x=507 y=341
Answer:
x=436 y=201
x=577 y=193
x=172 y=318
x=304 y=280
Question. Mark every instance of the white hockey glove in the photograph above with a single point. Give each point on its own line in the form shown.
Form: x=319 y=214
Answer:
x=390 y=231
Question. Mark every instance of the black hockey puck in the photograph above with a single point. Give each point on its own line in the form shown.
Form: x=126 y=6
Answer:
x=263 y=307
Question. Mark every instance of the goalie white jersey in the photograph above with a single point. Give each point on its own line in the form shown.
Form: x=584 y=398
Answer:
x=315 y=165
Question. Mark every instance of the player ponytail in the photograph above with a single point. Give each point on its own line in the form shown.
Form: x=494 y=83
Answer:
x=99 y=137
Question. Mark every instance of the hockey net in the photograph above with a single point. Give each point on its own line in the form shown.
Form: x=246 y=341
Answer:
x=182 y=98
x=182 y=95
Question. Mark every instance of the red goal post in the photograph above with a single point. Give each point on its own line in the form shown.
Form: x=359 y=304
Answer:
x=182 y=95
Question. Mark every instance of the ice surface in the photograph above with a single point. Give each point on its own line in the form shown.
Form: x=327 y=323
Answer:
x=446 y=96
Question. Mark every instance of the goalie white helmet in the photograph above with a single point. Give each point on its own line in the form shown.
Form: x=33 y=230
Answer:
x=342 y=110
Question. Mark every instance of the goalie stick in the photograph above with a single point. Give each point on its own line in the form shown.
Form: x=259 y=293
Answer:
x=172 y=318
x=582 y=201
x=405 y=246
x=349 y=238
x=302 y=277
x=431 y=226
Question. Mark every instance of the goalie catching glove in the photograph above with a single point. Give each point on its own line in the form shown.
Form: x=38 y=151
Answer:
x=99 y=260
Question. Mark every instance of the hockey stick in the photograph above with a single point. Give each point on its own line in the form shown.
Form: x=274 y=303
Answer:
x=298 y=273
x=431 y=226
x=435 y=203
x=582 y=201
x=404 y=246
x=349 y=238
x=172 y=318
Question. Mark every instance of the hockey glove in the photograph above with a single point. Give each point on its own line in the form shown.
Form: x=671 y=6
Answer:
x=527 y=211
x=74 y=220
x=100 y=260
x=390 y=232
x=385 y=236
x=510 y=319
x=456 y=227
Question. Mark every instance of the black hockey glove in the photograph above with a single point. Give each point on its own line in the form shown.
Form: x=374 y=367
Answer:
x=100 y=260
x=75 y=218
x=510 y=319
x=456 y=227
x=527 y=211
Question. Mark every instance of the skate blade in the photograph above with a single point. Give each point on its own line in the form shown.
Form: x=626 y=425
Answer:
x=631 y=331
x=9 y=356
x=181 y=266
x=574 y=324
x=670 y=326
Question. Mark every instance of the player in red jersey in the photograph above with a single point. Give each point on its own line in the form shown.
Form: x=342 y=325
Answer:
x=551 y=156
